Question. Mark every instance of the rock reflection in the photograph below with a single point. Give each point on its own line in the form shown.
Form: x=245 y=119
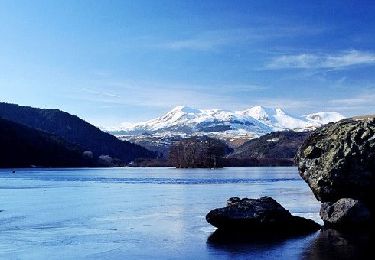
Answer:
x=333 y=244
x=325 y=244
x=220 y=237
x=258 y=244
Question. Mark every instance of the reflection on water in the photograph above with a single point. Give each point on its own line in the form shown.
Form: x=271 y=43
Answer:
x=259 y=246
x=327 y=244
x=224 y=239
x=333 y=244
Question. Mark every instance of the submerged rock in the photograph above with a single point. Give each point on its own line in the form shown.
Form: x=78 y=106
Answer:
x=345 y=212
x=338 y=161
x=258 y=215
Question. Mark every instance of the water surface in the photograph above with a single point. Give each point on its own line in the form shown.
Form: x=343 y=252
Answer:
x=145 y=213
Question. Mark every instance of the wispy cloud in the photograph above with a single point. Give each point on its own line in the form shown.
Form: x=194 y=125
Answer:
x=322 y=61
x=357 y=104
x=100 y=93
x=358 y=100
x=243 y=88
x=286 y=103
x=210 y=40
x=117 y=93
x=163 y=96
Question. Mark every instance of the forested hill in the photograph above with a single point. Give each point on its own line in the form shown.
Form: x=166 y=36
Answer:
x=74 y=130
x=276 y=146
x=21 y=146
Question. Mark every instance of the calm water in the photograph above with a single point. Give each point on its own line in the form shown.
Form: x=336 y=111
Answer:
x=142 y=213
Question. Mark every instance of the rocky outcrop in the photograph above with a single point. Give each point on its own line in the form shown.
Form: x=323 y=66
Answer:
x=345 y=212
x=258 y=215
x=338 y=163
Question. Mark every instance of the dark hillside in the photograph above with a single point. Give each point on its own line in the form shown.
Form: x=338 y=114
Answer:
x=21 y=146
x=74 y=130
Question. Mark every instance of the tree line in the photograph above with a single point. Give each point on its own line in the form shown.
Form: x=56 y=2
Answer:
x=198 y=152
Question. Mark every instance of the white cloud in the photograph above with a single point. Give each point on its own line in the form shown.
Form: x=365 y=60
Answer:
x=317 y=61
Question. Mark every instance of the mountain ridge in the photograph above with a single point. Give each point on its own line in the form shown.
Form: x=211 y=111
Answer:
x=253 y=122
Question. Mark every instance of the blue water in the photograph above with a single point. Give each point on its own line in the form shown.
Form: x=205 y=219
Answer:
x=139 y=213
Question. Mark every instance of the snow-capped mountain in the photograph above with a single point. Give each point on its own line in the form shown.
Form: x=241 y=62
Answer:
x=253 y=122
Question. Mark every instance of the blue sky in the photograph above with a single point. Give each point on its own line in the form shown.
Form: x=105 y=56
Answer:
x=116 y=61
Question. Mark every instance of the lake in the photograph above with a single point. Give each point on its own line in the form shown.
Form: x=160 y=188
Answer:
x=139 y=213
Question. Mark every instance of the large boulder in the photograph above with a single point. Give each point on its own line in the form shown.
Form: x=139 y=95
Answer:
x=345 y=213
x=258 y=215
x=338 y=161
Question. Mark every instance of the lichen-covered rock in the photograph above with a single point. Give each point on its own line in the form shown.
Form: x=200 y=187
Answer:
x=258 y=215
x=338 y=161
x=345 y=213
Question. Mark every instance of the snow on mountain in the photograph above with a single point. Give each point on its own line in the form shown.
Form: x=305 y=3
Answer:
x=323 y=118
x=252 y=122
x=277 y=119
